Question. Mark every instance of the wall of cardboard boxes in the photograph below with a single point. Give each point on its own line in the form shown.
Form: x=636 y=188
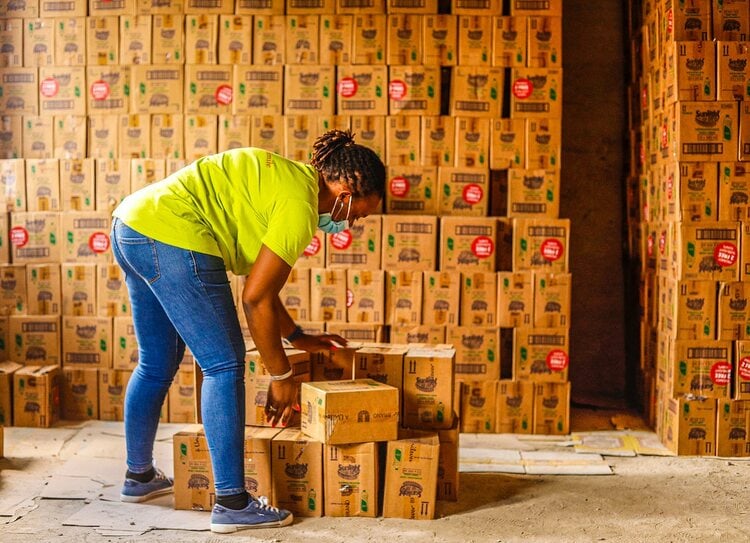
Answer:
x=689 y=220
x=463 y=103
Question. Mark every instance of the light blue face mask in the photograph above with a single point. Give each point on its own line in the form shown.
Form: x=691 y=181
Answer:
x=328 y=225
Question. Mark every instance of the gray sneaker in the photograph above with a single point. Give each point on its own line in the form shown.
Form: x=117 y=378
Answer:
x=257 y=514
x=134 y=491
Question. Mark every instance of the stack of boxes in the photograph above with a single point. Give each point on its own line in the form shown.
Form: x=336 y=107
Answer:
x=688 y=219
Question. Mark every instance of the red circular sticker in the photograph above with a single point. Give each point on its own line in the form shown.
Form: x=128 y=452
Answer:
x=644 y=97
x=664 y=137
x=725 y=254
x=349 y=297
x=662 y=241
x=743 y=368
x=399 y=186
x=100 y=90
x=341 y=240
x=313 y=247
x=19 y=236
x=397 y=89
x=99 y=242
x=670 y=185
x=557 y=360
x=551 y=249
x=348 y=87
x=482 y=247
x=721 y=373
x=223 y=95
x=650 y=244
x=473 y=193
x=49 y=87
x=670 y=21
x=522 y=88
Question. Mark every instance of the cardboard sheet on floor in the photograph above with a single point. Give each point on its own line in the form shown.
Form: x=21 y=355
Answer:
x=61 y=487
x=648 y=444
x=481 y=460
x=18 y=492
x=564 y=463
x=128 y=517
x=23 y=442
x=495 y=441
x=604 y=443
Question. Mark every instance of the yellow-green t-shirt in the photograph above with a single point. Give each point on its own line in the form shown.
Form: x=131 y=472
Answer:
x=228 y=205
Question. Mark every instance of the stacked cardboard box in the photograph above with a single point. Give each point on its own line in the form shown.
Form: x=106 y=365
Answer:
x=687 y=200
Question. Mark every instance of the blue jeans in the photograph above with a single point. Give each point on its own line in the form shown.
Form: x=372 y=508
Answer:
x=182 y=297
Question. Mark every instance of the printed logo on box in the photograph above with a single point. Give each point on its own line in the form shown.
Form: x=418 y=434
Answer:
x=397 y=89
x=557 y=360
x=99 y=242
x=725 y=254
x=482 y=247
x=224 y=95
x=348 y=87
x=100 y=90
x=342 y=240
x=551 y=249
x=49 y=87
x=313 y=247
x=721 y=373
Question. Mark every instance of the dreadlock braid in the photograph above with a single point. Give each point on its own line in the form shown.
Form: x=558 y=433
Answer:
x=338 y=158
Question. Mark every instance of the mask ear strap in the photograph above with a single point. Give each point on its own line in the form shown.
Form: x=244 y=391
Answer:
x=349 y=207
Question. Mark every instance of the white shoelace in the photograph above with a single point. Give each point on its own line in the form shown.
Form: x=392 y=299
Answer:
x=263 y=501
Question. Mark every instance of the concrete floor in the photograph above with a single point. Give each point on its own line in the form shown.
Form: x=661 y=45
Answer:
x=651 y=499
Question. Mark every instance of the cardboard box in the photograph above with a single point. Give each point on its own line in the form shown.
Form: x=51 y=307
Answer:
x=124 y=344
x=515 y=299
x=11 y=136
x=732 y=71
x=13 y=181
x=708 y=251
x=38 y=141
x=208 y=89
x=474 y=40
x=412 y=190
x=134 y=137
x=167 y=136
x=122 y=7
x=732 y=427
x=135 y=39
x=43 y=184
x=334 y=365
x=112 y=387
x=358 y=411
x=295 y=295
x=741 y=370
x=701 y=368
x=358 y=332
x=297 y=473
x=319 y=7
x=308 y=89
x=705 y=131
x=409 y=242
x=690 y=72
x=468 y=7
x=402 y=141
x=19 y=91
x=7 y=369
x=39 y=42
x=414 y=90
x=258 y=379
x=168 y=33
x=407 y=6
x=69 y=138
x=157 y=88
x=690 y=426
x=416 y=334
x=541 y=354
x=21 y=9
x=258 y=90
x=328 y=295
x=403 y=297
x=467 y=244
x=539 y=244
x=478 y=299
x=552 y=295
x=463 y=191
x=201 y=136
x=193 y=476
x=79 y=289
x=102 y=40
x=11 y=43
x=370 y=131
x=509 y=42
x=36 y=396
x=234 y=39
x=383 y=363
x=80 y=394
x=269 y=40
x=13 y=290
x=103 y=136
x=731 y=20
x=302 y=38
x=299 y=138
x=472 y=142
x=438 y=146
x=201 y=38
x=543 y=143
x=359 y=245
x=552 y=408
x=370 y=39
x=314 y=255
x=428 y=387
x=362 y=89
x=34 y=237
x=536 y=92
x=144 y=171
x=690 y=192
x=440 y=299
x=4 y=232
x=733 y=312
x=404 y=39
x=478 y=407
x=411 y=474
x=365 y=296
x=87 y=342
x=351 y=480
x=545 y=42
x=43 y=289
x=336 y=42
x=476 y=91
x=477 y=352
x=182 y=397
x=439 y=40
x=515 y=407
x=86 y=237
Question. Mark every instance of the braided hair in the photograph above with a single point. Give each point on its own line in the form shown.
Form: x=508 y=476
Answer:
x=337 y=158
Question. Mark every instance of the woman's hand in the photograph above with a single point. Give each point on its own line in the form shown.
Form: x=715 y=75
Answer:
x=281 y=401
x=317 y=343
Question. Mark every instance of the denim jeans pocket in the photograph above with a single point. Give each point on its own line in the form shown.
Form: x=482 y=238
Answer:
x=210 y=270
x=138 y=251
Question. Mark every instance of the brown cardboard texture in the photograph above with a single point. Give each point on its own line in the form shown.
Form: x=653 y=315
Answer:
x=541 y=354
x=43 y=184
x=328 y=295
x=370 y=39
x=79 y=289
x=351 y=480
x=87 y=342
x=77 y=184
x=440 y=300
x=403 y=297
x=201 y=38
x=439 y=40
x=428 y=387
x=731 y=21
x=336 y=412
x=269 y=39
x=414 y=90
x=476 y=91
x=167 y=42
x=478 y=407
x=34 y=237
x=541 y=244
x=411 y=478
x=62 y=90
x=80 y=394
x=359 y=245
x=515 y=407
x=303 y=39
x=709 y=252
x=157 y=88
x=358 y=332
x=507 y=143
x=463 y=191
x=467 y=244
x=474 y=40
x=182 y=397
x=536 y=92
x=741 y=370
x=314 y=255
x=36 y=396
x=112 y=386
x=545 y=42
x=258 y=90
x=13 y=290
x=404 y=39
x=690 y=426
x=732 y=427
x=702 y=368
x=402 y=146
x=167 y=136
x=552 y=408
x=193 y=476
x=365 y=296
x=208 y=89
x=112 y=292
x=258 y=379
x=107 y=89
x=477 y=352
x=472 y=142
x=234 y=39
x=691 y=72
x=515 y=299
x=509 y=43
x=336 y=45
x=478 y=299
x=334 y=365
x=370 y=131
x=533 y=193
x=7 y=369
x=552 y=294
x=409 y=243
x=86 y=237
x=34 y=340
x=19 y=91
x=690 y=192
x=309 y=89
x=438 y=147
x=112 y=182
x=706 y=131
x=734 y=314
x=422 y=334
x=295 y=295
x=543 y=144
x=383 y=363
x=297 y=473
